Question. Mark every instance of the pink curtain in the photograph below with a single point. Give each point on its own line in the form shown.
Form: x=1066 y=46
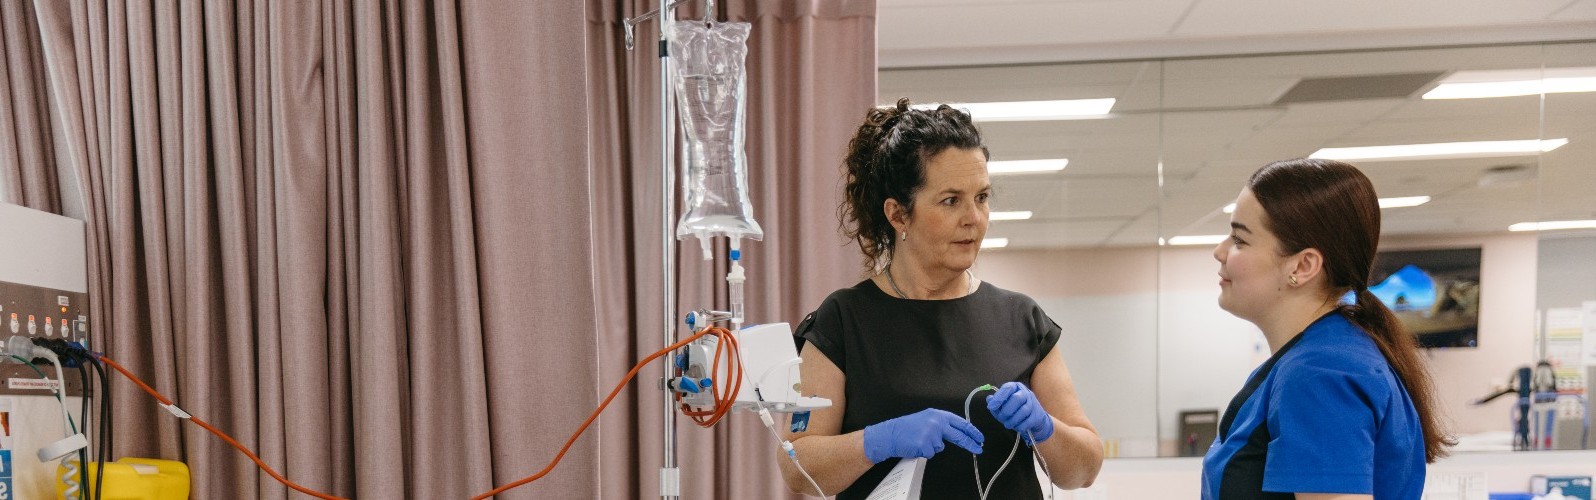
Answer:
x=811 y=76
x=27 y=153
x=401 y=248
x=326 y=228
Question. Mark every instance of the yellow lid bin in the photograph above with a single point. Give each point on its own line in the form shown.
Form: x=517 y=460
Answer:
x=132 y=479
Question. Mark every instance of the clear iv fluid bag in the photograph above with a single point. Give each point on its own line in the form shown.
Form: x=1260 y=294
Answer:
x=710 y=94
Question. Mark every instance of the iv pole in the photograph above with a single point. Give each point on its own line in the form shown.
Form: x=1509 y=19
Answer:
x=669 y=474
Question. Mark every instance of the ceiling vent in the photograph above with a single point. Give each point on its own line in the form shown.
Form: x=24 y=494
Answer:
x=1351 y=88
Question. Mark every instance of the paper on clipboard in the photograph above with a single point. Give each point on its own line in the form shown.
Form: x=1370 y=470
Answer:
x=903 y=483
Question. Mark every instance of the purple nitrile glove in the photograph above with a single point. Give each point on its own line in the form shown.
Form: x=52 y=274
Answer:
x=1016 y=407
x=919 y=435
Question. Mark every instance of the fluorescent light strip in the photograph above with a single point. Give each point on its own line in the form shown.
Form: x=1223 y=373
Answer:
x=1405 y=201
x=1477 y=90
x=1477 y=149
x=1398 y=202
x=1554 y=225
x=1205 y=239
x=1026 y=166
x=1015 y=111
x=994 y=243
x=1015 y=215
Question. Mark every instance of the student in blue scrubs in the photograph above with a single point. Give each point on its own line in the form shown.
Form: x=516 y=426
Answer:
x=1343 y=408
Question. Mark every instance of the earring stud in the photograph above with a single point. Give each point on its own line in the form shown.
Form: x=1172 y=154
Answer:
x=1292 y=279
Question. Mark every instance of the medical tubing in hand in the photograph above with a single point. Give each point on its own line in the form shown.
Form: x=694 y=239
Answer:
x=975 y=459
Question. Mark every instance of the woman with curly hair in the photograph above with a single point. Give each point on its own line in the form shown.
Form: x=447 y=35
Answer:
x=899 y=353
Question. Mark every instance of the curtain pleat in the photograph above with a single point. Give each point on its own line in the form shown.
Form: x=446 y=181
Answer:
x=27 y=151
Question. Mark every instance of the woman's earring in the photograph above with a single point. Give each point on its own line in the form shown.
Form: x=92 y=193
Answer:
x=905 y=236
x=1292 y=279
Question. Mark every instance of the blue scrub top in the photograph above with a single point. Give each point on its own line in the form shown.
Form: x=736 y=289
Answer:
x=1325 y=414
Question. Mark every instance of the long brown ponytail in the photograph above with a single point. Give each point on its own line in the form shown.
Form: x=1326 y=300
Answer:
x=1331 y=206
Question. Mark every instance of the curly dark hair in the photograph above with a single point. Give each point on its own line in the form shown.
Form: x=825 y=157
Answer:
x=886 y=160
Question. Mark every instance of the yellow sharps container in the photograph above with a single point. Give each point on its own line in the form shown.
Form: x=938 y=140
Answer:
x=133 y=479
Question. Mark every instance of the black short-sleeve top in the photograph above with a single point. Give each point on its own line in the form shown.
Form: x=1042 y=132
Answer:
x=900 y=356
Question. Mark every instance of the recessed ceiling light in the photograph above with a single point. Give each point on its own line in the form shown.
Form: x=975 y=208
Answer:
x=1553 y=225
x=1015 y=111
x=1026 y=166
x=1015 y=215
x=1508 y=83
x=994 y=243
x=1398 y=202
x=1477 y=149
x=1405 y=201
x=1205 y=239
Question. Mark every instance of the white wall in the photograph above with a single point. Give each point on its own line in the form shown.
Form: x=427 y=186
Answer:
x=1106 y=304
x=1567 y=274
x=1145 y=338
x=1205 y=353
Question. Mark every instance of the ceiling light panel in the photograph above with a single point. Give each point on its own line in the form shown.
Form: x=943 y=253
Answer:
x=1026 y=166
x=1556 y=225
x=1509 y=83
x=1443 y=150
x=1204 y=239
x=1014 y=215
x=994 y=242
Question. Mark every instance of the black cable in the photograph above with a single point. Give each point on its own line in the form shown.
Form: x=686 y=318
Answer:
x=104 y=425
x=83 y=475
x=106 y=446
x=83 y=421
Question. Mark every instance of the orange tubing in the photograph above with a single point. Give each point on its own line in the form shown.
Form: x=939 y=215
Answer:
x=220 y=434
x=725 y=396
x=719 y=332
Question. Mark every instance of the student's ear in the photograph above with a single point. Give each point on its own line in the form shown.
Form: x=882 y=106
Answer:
x=1306 y=266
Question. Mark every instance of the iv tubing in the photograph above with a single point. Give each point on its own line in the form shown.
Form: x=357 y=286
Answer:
x=770 y=424
x=594 y=416
x=220 y=434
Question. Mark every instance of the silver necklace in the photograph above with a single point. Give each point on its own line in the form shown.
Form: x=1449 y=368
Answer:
x=901 y=295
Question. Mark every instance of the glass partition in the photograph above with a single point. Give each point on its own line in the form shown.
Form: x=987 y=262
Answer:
x=1118 y=244
x=1566 y=257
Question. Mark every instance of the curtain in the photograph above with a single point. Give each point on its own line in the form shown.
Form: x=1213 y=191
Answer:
x=348 y=233
x=27 y=153
x=811 y=77
x=401 y=249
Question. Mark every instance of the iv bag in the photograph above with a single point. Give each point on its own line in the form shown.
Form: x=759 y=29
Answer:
x=710 y=93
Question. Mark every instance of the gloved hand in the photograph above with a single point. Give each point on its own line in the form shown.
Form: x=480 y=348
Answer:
x=919 y=435
x=1016 y=407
